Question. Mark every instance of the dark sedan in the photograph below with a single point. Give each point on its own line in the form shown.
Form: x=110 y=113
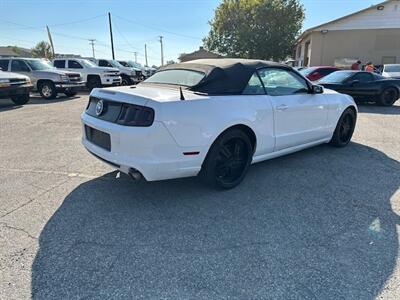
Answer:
x=364 y=86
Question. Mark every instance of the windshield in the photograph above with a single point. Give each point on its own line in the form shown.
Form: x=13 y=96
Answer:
x=336 y=77
x=124 y=63
x=87 y=63
x=115 y=64
x=134 y=64
x=38 y=65
x=177 y=77
x=306 y=71
x=392 y=68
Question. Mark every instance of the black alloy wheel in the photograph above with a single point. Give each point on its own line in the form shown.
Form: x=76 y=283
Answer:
x=344 y=129
x=228 y=160
x=389 y=97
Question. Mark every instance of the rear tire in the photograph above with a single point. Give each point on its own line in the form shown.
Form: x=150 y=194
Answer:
x=47 y=90
x=344 y=129
x=388 y=97
x=20 y=99
x=228 y=160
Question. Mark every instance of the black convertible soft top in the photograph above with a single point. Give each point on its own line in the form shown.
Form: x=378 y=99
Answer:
x=223 y=75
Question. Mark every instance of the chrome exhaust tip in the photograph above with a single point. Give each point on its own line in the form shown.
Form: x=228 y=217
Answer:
x=135 y=174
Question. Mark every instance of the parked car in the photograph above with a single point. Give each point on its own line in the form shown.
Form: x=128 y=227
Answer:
x=136 y=67
x=94 y=75
x=45 y=78
x=316 y=73
x=128 y=74
x=213 y=117
x=149 y=71
x=364 y=86
x=391 y=71
x=15 y=86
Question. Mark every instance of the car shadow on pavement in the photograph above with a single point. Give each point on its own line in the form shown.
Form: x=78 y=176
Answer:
x=7 y=104
x=313 y=225
x=372 y=108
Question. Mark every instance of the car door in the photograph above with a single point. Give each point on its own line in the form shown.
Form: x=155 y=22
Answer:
x=361 y=85
x=20 y=66
x=300 y=117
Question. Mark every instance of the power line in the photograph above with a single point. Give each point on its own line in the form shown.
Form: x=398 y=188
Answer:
x=158 y=29
x=79 y=21
x=125 y=39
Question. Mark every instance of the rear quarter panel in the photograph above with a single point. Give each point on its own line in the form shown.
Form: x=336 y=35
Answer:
x=198 y=122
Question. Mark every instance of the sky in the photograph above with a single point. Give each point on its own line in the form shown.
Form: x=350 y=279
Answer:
x=182 y=23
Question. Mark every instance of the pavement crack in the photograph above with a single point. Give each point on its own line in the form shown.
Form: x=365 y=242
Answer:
x=18 y=229
x=33 y=199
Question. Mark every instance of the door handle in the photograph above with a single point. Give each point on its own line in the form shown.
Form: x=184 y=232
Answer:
x=282 y=107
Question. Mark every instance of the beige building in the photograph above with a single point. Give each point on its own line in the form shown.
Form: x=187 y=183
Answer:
x=372 y=34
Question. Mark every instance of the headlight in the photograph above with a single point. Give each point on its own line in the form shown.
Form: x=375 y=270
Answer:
x=4 y=82
x=64 y=78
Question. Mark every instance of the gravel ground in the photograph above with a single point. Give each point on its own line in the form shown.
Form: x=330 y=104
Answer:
x=319 y=224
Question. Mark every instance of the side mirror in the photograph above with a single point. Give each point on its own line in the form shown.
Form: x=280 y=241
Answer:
x=354 y=82
x=317 y=89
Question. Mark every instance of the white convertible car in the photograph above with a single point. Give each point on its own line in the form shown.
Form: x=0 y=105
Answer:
x=213 y=118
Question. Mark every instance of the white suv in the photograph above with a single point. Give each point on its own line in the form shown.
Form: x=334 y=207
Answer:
x=94 y=76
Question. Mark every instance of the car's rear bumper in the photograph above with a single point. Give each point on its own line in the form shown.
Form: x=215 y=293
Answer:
x=150 y=150
x=6 y=92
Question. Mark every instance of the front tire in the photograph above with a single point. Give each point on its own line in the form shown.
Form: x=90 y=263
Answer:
x=93 y=82
x=126 y=80
x=228 y=160
x=389 y=96
x=70 y=93
x=47 y=90
x=20 y=99
x=344 y=129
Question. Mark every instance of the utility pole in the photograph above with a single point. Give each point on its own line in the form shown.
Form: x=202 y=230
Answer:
x=111 y=36
x=91 y=42
x=162 y=50
x=135 y=56
x=145 y=54
x=51 y=41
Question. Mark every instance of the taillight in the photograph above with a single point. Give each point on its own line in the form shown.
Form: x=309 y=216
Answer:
x=136 y=115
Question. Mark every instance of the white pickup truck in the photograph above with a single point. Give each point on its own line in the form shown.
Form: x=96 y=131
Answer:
x=129 y=75
x=94 y=75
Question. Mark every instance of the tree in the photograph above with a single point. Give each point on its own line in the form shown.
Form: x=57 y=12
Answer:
x=262 y=29
x=42 y=50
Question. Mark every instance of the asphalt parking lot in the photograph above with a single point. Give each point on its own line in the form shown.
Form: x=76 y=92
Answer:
x=318 y=224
